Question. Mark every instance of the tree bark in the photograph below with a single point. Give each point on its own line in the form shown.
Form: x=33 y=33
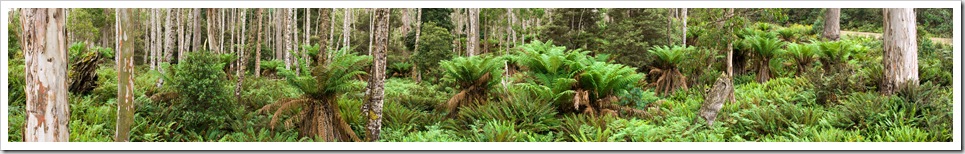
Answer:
x=683 y=15
x=346 y=27
x=832 y=26
x=473 y=32
x=900 y=50
x=168 y=43
x=212 y=46
x=125 y=76
x=44 y=42
x=377 y=79
x=288 y=38
x=331 y=34
x=258 y=44
x=418 y=31
x=294 y=41
x=221 y=33
x=154 y=38
x=241 y=56
x=371 y=27
x=180 y=28
x=196 y=24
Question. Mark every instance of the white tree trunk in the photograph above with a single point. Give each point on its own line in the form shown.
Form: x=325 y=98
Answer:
x=44 y=42
x=346 y=27
x=900 y=49
x=287 y=39
x=241 y=55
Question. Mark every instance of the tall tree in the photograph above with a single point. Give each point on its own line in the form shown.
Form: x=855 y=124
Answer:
x=221 y=33
x=155 y=37
x=346 y=27
x=180 y=29
x=212 y=41
x=125 y=76
x=473 y=34
x=168 y=43
x=377 y=79
x=294 y=30
x=418 y=31
x=44 y=42
x=900 y=49
x=258 y=44
x=832 y=23
x=196 y=28
x=371 y=26
x=683 y=15
x=288 y=38
x=331 y=33
x=241 y=55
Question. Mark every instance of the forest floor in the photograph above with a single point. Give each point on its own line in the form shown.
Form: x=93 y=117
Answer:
x=878 y=35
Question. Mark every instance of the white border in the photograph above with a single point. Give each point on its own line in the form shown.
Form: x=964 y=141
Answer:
x=955 y=145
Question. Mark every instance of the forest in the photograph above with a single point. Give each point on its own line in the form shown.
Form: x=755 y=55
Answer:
x=480 y=75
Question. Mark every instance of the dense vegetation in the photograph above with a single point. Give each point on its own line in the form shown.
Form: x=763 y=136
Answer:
x=616 y=75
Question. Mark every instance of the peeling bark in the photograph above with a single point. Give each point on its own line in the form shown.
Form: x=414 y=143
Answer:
x=44 y=42
x=125 y=76
x=900 y=50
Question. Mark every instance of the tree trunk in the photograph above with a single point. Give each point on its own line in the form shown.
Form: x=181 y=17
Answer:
x=154 y=38
x=241 y=56
x=212 y=46
x=377 y=79
x=323 y=119
x=371 y=27
x=324 y=25
x=473 y=32
x=900 y=50
x=730 y=59
x=180 y=36
x=258 y=44
x=196 y=40
x=683 y=15
x=832 y=26
x=277 y=30
x=147 y=38
x=331 y=34
x=125 y=76
x=44 y=42
x=288 y=38
x=294 y=41
x=418 y=31
x=221 y=33
x=168 y=43
x=346 y=27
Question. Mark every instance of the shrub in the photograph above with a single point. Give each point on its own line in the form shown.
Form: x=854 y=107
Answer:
x=435 y=45
x=203 y=103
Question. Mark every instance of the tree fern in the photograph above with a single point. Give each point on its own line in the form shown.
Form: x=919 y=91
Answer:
x=473 y=76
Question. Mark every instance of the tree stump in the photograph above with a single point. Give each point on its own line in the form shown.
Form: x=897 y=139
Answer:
x=715 y=98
